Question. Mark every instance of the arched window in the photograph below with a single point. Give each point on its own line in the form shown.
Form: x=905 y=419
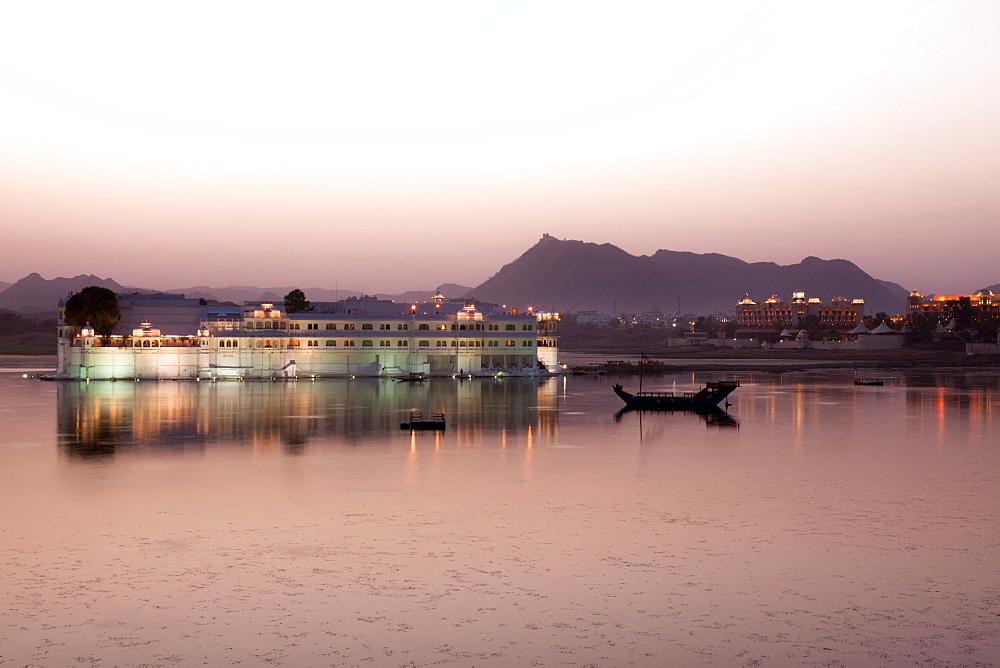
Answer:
x=331 y=342
x=424 y=326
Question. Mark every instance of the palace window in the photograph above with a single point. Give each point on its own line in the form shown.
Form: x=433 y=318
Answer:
x=294 y=343
x=349 y=344
x=349 y=325
x=402 y=326
x=366 y=325
x=331 y=342
x=509 y=343
x=527 y=327
x=423 y=326
x=511 y=327
x=312 y=325
x=442 y=327
x=384 y=344
x=423 y=344
x=367 y=343
x=526 y=344
x=331 y=325
x=441 y=344
x=403 y=344
x=383 y=326
x=493 y=328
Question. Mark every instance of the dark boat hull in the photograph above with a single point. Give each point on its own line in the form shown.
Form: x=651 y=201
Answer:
x=711 y=395
x=419 y=423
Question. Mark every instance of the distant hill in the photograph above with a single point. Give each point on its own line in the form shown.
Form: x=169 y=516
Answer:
x=34 y=294
x=575 y=275
x=242 y=293
x=995 y=289
x=246 y=293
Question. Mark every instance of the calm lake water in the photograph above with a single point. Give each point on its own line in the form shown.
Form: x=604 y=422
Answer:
x=817 y=522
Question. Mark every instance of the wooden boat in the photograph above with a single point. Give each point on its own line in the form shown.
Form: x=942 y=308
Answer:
x=412 y=377
x=869 y=381
x=418 y=422
x=709 y=396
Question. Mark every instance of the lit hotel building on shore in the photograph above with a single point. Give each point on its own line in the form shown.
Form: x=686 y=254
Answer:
x=837 y=314
x=170 y=337
x=945 y=307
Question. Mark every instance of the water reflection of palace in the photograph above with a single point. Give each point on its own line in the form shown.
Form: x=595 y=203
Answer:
x=102 y=418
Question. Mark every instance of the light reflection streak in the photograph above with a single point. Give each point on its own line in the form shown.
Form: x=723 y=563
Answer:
x=102 y=418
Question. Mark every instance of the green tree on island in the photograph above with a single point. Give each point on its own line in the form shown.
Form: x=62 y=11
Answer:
x=95 y=305
x=295 y=302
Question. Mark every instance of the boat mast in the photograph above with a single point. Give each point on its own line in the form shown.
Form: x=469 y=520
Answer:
x=642 y=359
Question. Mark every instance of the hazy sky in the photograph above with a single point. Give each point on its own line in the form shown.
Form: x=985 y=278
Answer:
x=387 y=146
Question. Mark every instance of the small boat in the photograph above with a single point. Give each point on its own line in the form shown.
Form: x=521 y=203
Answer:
x=869 y=381
x=711 y=395
x=589 y=370
x=418 y=422
x=413 y=377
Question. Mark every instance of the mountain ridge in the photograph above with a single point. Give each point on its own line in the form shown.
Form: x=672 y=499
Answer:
x=574 y=275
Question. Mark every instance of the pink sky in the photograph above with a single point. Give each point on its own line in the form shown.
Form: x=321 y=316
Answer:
x=410 y=145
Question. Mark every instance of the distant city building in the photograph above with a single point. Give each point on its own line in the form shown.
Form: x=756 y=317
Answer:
x=837 y=314
x=946 y=307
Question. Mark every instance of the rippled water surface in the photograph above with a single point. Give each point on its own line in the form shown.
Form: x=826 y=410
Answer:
x=814 y=522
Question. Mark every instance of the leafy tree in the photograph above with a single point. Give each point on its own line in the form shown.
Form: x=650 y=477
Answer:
x=95 y=305
x=295 y=302
x=921 y=326
x=809 y=322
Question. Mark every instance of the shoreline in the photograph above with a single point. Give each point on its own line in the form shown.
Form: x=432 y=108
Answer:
x=722 y=360
x=783 y=361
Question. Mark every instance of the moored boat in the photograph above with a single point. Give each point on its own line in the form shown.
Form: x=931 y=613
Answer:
x=418 y=422
x=711 y=395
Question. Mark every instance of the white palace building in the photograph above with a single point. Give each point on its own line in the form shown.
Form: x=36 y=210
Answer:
x=171 y=337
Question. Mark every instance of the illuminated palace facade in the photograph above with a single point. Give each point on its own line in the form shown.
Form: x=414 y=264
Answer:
x=169 y=337
x=837 y=314
x=944 y=307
